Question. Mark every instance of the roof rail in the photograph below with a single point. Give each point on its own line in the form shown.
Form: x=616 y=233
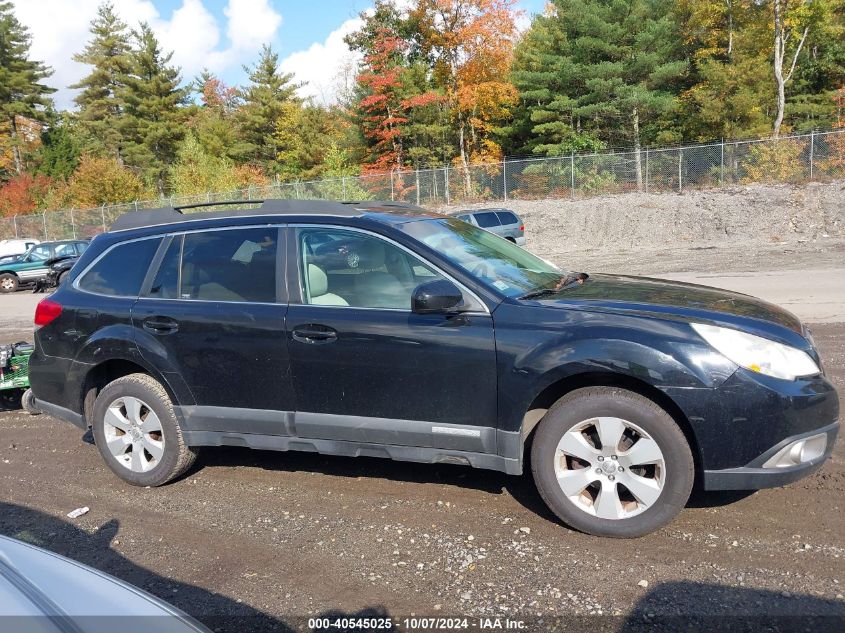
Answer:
x=171 y=215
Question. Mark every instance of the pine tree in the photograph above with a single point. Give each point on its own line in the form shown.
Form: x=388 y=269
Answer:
x=544 y=122
x=617 y=75
x=59 y=154
x=153 y=120
x=21 y=90
x=264 y=102
x=101 y=98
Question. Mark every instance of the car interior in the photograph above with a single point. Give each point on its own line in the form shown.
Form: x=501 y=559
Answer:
x=369 y=274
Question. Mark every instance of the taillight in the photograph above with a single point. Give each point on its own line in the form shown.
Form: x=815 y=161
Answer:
x=522 y=228
x=46 y=312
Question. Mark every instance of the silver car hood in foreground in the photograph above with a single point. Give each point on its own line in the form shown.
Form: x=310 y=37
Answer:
x=44 y=592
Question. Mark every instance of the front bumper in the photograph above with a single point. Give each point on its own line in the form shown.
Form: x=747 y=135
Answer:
x=760 y=474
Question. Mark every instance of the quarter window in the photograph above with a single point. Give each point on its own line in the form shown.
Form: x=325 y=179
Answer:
x=347 y=268
x=230 y=265
x=507 y=217
x=121 y=271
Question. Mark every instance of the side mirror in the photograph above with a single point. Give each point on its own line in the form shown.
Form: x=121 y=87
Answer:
x=436 y=296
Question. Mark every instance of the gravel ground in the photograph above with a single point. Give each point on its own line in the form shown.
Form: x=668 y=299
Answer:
x=272 y=536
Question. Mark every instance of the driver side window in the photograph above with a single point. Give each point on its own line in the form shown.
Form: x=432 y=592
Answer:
x=348 y=268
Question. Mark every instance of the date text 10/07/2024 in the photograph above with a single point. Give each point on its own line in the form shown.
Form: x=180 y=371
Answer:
x=418 y=623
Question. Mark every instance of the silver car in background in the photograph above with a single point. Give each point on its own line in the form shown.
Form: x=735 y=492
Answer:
x=502 y=222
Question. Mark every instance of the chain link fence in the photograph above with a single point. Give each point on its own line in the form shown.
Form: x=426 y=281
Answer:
x=791 y=159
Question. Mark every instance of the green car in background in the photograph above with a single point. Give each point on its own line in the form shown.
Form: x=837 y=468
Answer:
x=26 y=269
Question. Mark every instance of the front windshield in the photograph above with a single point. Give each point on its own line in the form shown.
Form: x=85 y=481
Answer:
x=488 y=257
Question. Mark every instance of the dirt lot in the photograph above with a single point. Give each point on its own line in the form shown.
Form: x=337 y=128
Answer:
x=275 y=537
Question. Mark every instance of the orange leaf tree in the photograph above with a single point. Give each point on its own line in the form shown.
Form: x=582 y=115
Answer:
x=471 y=44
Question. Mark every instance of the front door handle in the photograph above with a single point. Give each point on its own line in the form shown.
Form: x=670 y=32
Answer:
x=314 y=334
x=160 y=325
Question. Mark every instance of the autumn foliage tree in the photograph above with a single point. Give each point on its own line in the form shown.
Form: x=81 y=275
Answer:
x=23 y=194
x=382 y=110
x=471 y=43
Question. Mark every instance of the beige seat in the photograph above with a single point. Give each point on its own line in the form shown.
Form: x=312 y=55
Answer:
x=318 y=289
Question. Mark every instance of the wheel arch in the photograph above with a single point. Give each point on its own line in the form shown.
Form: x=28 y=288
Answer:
x=106 y=371
x=556 y=390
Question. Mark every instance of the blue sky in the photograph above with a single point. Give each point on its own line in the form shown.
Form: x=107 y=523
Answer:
x=221 y=35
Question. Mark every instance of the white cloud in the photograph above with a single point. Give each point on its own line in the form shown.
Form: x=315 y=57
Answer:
x=251 y=24
x=325 y=66
x=59 y=29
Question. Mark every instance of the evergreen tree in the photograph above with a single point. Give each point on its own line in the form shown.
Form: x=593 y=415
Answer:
x=264 y=102
x=153 y=120
x=101 y=98
x=21 y=90
x=617 y=72
x=544 y=122
x=60 y=149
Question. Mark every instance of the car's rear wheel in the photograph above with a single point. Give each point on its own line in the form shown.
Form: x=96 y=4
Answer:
x=137 y=432
x=610 y=462
x=8 y=282
x=28 y=403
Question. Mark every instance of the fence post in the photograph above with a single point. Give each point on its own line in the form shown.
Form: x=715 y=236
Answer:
x=646 y=169
x=812 y=149
x=343 y=181
x=680 y=169
x=572 y=174
x=136 y=205
x=103 y=214
x=44 y=221
x=72 y=223
x=391 y=184
x=418 y=186
x=505 y=179
x=722 y=165
x=15 y=222
x=446 y=172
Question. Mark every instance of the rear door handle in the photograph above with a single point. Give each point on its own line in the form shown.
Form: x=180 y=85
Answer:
x=160 y=325
x=314 y=334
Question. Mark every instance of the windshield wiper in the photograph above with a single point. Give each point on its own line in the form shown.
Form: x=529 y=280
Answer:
x=565 y=282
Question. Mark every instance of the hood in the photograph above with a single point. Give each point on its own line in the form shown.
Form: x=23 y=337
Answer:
x=674 y=299
x=36 y=582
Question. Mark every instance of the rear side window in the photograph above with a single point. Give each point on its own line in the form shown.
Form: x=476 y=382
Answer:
x=507 y=217
x=230 y=265
x=487 y=219
x=465 y=217
x=121 y=271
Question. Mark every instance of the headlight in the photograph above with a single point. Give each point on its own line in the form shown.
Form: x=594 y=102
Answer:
x=757 y=353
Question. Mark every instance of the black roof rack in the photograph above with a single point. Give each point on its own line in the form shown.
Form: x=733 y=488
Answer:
x=171 y=215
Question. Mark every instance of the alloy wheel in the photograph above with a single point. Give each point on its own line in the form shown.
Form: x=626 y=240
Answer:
x=133 y=434
x=610 y=468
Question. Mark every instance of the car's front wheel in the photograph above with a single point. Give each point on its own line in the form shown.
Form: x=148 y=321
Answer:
x=610 y=462
x=137 y=432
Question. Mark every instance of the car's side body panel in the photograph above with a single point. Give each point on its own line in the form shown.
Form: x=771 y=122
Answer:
x=423 y=387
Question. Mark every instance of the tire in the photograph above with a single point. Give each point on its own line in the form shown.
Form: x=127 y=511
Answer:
x=9 y=283
x=511 y=239
x=28 y=403
x=605 y=506
x=153 y=451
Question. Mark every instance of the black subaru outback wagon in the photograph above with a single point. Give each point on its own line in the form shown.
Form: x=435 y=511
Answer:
x=384 y=330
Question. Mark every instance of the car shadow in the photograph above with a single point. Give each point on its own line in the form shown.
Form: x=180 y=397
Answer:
x=520 y=487
x=703 y=607
x=218 y=612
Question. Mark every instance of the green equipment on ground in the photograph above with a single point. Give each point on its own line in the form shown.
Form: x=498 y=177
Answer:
x=14 y=375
